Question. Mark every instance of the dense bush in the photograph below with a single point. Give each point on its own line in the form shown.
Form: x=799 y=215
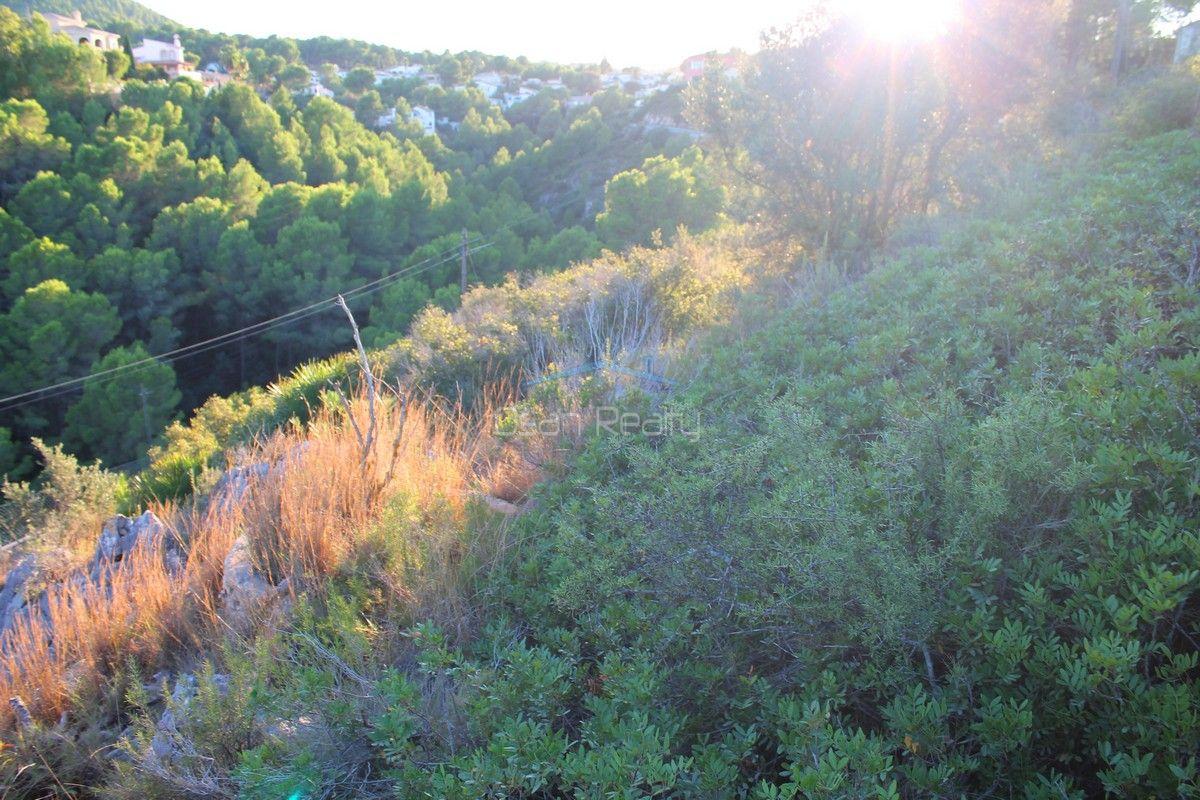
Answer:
x=192 y=454
x=1164 y=103
x=947 y=520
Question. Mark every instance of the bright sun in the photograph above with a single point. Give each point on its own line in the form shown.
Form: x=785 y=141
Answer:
x=905 y=20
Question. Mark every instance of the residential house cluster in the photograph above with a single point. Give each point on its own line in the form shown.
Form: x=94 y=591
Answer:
x=172 y=59
x=508 y=89
x=640 y=84
x=170 y=56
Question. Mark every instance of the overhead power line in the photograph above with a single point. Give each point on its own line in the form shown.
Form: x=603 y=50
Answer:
x=460 y=250
x=63 y=387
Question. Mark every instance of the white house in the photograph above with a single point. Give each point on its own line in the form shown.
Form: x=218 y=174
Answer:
x=490 y=83
x=81 y=32
x=404 y=71
x=316 y=89
x=426 y=118
x=400 y=71
x=1187 y=42
x=519 y=96
x=578 y=101
x=167 y=56
x=387 y=119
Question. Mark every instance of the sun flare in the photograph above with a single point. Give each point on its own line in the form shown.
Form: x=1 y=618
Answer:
x=897 y=20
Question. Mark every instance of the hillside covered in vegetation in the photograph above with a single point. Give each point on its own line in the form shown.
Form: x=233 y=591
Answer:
x=120 y=13
x=142 y=217
x=872 y=475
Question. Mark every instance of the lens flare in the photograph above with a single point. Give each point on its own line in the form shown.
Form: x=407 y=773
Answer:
x=896 y=20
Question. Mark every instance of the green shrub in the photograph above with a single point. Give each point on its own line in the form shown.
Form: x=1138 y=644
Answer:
x=1165 y=103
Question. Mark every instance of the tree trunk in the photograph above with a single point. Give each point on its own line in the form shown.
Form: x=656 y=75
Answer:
x=891 y=157
x=933 y=160
x=1074 y=34
x=1121 y=37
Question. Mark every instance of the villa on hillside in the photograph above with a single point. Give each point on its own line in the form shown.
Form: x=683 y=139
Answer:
x=696 y=66
x=387 y=119
x=1187 y=42
x=510 y=99
x=81 y=32
x=167 y=56
x=315 y=88
x=426 y=118
x=423 y=116
x=398 y=72
x=490 y=83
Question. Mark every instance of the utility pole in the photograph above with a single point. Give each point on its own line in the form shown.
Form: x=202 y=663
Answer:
x=1121 y=38
x=462 y=255
x=143 y=393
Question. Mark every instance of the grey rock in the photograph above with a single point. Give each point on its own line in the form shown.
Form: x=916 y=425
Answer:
x=247 y=596
x=169 y=743
x=24 y=587
x=232 y=486
x=13 y=594
x=501 y=506
x=121 y=536
x=162 y=746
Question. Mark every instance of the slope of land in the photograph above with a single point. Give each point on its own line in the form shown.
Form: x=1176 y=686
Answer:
x=120 y=13
x=848 y=453
x=926 y=532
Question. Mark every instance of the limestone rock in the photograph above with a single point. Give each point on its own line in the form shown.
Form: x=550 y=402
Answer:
x=13 y=593
x=232 y=486
x=501 y=506
x=121 y=536
x=246 y=596
x=24 y=587
x=168 y=743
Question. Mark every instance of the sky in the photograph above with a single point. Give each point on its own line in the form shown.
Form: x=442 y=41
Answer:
x=645 y=33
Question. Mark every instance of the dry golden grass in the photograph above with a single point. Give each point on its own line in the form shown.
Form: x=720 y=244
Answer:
x=321 y=507
x=141 y=612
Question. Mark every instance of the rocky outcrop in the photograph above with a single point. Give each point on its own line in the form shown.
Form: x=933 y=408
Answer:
x=246 y=595
x=165 y=744
x=507 y=508
x=14 y=593
x=121 y=536
x=232 y=486
x=235 y=482
x=25 y=585
x=501 y=506
x=171 y=756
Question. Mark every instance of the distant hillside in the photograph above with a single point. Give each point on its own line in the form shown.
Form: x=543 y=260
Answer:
x=97 y=12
